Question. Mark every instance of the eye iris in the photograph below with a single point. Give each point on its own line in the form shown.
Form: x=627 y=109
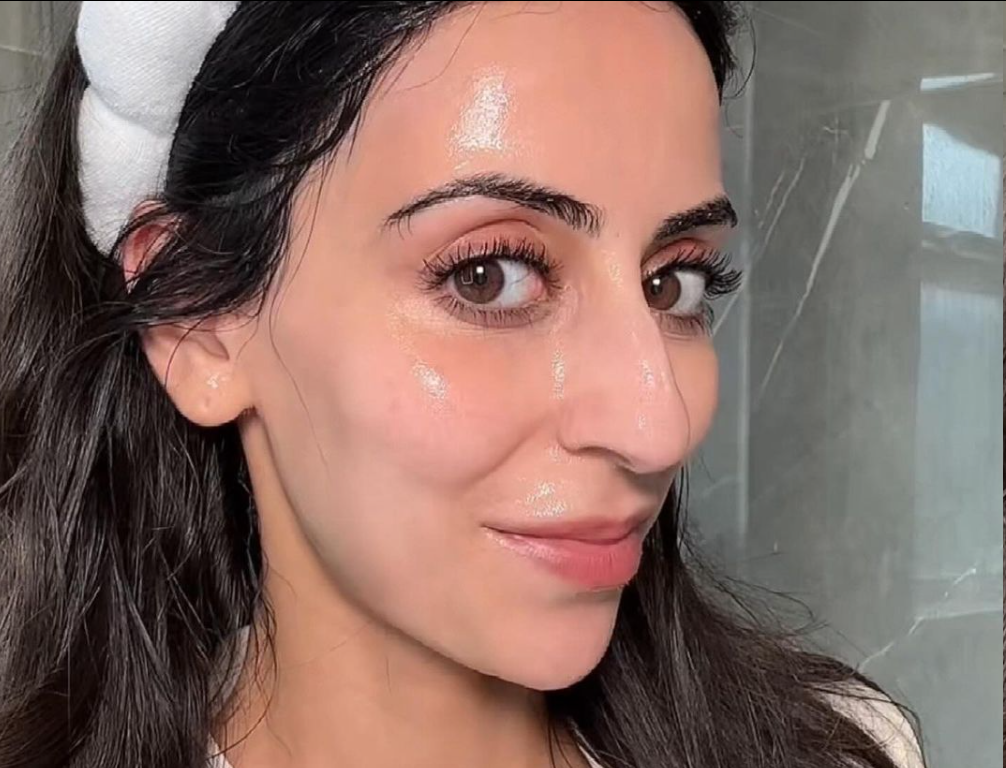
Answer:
x=663 y=291
x=480 y=282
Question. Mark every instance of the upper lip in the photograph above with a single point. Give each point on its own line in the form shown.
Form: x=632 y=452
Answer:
x=598 y=529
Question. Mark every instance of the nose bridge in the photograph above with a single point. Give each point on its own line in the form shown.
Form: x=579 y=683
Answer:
x=620 y=392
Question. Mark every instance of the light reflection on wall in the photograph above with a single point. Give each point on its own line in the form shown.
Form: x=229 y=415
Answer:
x=957 y=444
x=956 y=81
x=960 y=184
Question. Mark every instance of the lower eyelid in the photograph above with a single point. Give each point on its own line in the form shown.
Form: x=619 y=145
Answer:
x=489 y=317
x=688 y=326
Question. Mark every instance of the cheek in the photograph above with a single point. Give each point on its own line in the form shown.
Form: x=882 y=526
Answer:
x=696 y=373
x=438 y=412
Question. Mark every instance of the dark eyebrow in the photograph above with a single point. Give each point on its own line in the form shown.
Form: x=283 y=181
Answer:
x=715 y=212
x=574 y=213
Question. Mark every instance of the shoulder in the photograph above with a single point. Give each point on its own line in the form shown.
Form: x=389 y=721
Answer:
x=882 y=719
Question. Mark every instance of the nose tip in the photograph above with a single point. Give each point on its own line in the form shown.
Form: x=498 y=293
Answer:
x=622 y=399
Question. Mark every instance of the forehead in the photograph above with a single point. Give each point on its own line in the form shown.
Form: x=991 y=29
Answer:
x=612 y=101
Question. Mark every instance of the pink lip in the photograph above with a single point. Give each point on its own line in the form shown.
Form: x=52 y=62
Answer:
x=591 y=563
x=597 y=530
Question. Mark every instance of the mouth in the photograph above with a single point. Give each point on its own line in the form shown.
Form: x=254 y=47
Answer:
x=595 y=555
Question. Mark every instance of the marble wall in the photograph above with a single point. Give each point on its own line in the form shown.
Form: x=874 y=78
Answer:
x=29 y=33
x=855 y=464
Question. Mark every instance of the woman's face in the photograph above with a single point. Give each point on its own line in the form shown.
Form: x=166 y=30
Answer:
x=491 y=320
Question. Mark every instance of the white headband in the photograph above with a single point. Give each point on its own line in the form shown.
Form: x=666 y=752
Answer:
x=140 y=59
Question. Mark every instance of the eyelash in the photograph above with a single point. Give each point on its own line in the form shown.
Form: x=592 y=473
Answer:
x=713 y=265
x=720 y=280
x=438 y=270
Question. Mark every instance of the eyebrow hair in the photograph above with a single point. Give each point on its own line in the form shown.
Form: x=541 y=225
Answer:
x=715 y=212
x=576 y=214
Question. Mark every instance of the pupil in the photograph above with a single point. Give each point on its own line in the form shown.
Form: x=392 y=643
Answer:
x=480 y=283
x=663 y=291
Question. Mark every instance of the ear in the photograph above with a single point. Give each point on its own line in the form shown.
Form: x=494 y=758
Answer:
x=197 y=362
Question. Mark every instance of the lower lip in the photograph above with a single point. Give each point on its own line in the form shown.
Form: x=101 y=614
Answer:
x=590 y=564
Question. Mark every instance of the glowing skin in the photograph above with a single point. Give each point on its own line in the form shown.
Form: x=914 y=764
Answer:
x=482 y=125
x=388 y=431
x=434 y=384
x=558 y=374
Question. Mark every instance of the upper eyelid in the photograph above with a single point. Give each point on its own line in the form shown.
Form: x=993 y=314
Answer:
x=438 y=268
x=502 y=247
x=697 y=256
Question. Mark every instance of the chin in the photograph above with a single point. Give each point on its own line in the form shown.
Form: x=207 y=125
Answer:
x=555 y=650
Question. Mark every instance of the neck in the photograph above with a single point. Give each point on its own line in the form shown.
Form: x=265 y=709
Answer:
x=325 y=694
x=336 y=686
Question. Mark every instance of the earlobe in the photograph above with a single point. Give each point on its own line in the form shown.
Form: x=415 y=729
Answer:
x=198 y=372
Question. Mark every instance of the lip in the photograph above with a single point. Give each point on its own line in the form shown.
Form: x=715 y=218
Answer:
x=598 y=530
x=601 y=556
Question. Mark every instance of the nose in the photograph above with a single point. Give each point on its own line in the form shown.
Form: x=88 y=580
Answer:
x=621 y=395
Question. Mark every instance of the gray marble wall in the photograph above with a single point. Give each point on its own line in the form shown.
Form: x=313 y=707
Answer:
x=29 y=32
x=855 y=464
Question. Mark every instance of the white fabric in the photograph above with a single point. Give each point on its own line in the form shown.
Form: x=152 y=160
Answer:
x=141 y=59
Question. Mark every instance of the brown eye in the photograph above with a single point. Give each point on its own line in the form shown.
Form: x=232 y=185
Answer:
x=663 y=290
x=480 y=282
